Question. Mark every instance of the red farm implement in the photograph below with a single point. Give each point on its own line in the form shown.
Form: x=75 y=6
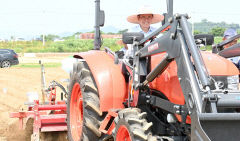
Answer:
x=45 y=117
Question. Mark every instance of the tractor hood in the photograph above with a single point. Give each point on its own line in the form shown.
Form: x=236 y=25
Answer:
x=217 y=65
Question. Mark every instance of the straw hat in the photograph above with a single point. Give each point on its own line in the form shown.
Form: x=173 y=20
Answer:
x=145 y=10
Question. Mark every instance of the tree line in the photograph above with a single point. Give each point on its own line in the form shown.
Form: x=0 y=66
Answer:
x=214 y=28
x=205 y=26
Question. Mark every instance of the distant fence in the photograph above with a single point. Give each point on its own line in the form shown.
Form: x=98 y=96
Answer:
x=48 y=54
x=91 y=36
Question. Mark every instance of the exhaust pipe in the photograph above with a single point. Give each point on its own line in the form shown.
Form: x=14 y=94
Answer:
x=99 y=21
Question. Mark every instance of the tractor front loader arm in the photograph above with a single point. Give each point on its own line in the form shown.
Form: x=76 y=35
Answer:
x=213 y=113
x=207 y=122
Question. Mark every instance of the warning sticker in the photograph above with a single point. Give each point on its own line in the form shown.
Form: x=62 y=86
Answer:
x=153 y=47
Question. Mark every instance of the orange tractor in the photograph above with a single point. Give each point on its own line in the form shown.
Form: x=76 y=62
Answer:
x=168 y=90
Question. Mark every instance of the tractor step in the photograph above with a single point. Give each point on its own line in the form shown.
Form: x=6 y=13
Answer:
x=108 y=125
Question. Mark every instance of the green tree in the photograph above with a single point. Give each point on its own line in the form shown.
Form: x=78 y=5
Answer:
x=111 y=33
x=77 y=33
x=94 y=32
x=238 y=31
x=205 y=26
x=122 y=31
x=217 y=31
x=204 y=21
x=49 y=37
x=196 y=32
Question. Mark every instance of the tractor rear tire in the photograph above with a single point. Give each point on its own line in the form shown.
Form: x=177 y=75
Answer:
x=83 y=107
x=131 y=125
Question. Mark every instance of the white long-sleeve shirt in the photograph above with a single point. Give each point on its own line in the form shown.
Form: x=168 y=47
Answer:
x=137 y=28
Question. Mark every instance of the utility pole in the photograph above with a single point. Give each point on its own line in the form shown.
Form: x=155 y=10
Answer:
x=43 y=39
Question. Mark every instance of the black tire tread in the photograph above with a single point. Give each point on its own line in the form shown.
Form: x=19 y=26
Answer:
x=92 y=115
x=139 y=128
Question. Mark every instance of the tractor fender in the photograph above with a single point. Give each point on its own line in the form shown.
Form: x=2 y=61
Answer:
x=108 y=77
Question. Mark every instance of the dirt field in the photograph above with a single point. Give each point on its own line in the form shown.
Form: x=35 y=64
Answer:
x=15 y=83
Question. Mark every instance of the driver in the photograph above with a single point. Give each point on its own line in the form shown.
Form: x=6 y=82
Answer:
x=228 y=34
x=143 y=20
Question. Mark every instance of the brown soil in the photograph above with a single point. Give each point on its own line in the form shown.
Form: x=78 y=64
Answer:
x=15 y=83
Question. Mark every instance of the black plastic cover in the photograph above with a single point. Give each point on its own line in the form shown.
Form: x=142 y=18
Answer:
x=128 y=37
x=207 y=39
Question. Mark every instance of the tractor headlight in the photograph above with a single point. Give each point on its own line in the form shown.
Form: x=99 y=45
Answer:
x=233 y=82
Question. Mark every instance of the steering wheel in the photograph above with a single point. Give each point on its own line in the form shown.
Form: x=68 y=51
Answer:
x=223 y=43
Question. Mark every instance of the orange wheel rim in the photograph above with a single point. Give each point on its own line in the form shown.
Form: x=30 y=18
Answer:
x=76 y=110
x=123 y=134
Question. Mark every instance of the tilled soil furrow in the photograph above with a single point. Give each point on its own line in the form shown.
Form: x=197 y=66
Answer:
x=15 y=83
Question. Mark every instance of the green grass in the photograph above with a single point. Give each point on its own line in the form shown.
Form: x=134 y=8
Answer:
x=218 y=40
x=35 y=65
x=209 y=47
x=69 y=45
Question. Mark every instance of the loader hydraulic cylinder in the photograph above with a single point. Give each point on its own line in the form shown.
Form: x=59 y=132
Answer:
x=198 y=61
x=159 y=69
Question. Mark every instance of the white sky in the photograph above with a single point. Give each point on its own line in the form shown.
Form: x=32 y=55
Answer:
x=34 y=17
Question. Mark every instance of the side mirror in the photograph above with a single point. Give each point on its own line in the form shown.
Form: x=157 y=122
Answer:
x=128 y=37
x=206 y=39
x=101 y=18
